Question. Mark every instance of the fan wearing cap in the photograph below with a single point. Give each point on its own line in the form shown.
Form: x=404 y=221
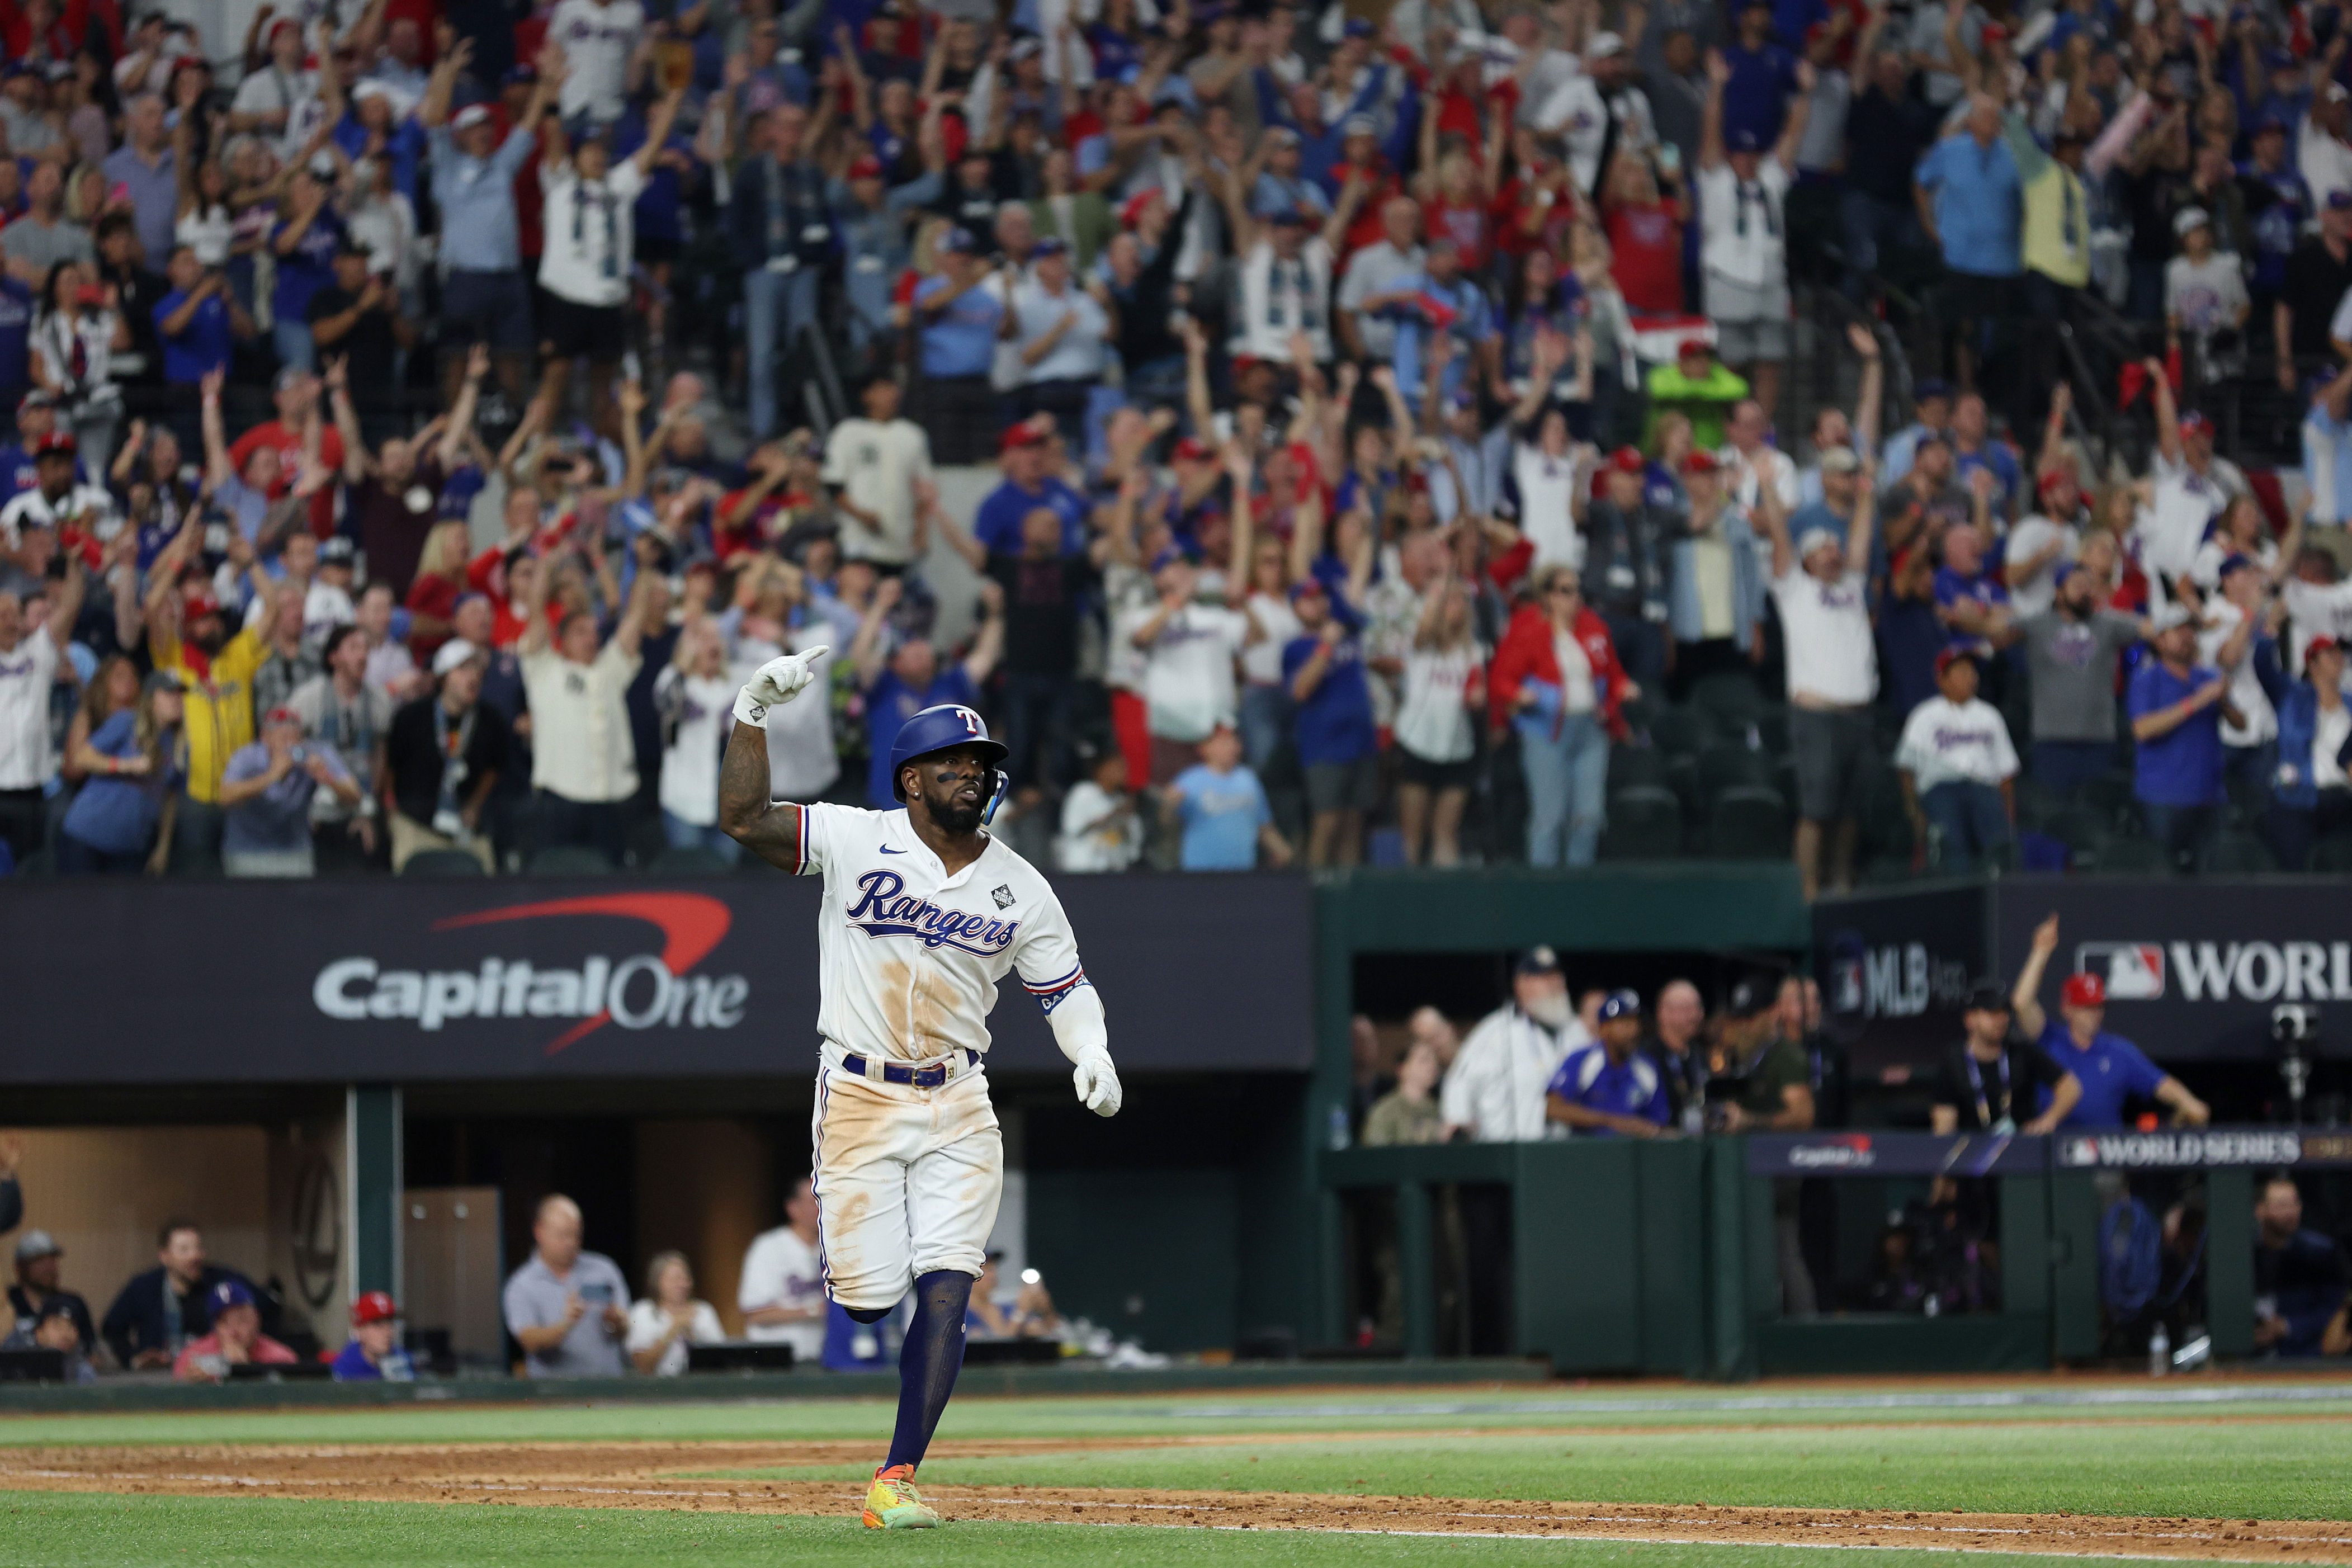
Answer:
x=1821 y=587
x=1758 y=1078
x=39 y=1293
x=273 y=100
x=51 y=1327
x=1496 y=1088
x=373 y=1353
x=1743 y=188
x=442 y=755
x=2192 y=484
x=2047 y=539
x=1380 y=281
x=1597 y=106
x=1958 y=769
x=29 y=664
x=958 y=320
x=1060 y=330
x=2110 y=1070
x=2177 y=708
x=1716 y=605
x=1608 y=1089
x=266 y=792
x=1285 y=252
x=58 y=499
x=2204 y=288
x=2311 y=786
x=1629 y=545
x=1993 y=1080
x=235 y=1339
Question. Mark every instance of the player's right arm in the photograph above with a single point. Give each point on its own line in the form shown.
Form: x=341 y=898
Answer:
x=771 y=829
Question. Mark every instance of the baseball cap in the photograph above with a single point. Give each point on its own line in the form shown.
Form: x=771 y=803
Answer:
x=1745 y=141
x=163 y=681
x=37 y=1243
x=452 y=654
x=1286 y=217
x=281 y=714
x=958 y=241
x=1360 y=125
x=56 y=444
x=1020 y=436
x=1840 y=460
x=1814 y=539
x=1175 y=90
x=1755 y=994
x=1928 y=389
x=336 y=551
x=2268 y=125
x=1052 y=245
x=288 y=375
x=2061 y=475
x=1192 y=449
x=1627 y=460
x=1166 y=558
x=198 y=604
x=1692 y=347
x=1282 y=136
x=2234 y=561
x=374 y=1307
x=866 y=169
x=2083 y=991
x=1026 y=48
x=1357 y=28
x=2168 y=617
x=2321 y=644
x=2338 y=200
x=1700 y=462
x=2195 y=423
x=1536 y=960
x=1626 y=1004
x=1306 y=588
x=2279 y=60
x=1994 y=33
x=229 y=1293
x=1950 y=657
x=1987 y=996
x=473 y=114
x=2189 y=218
x=518 y=73
x=1131 y=212
x=1602 y=45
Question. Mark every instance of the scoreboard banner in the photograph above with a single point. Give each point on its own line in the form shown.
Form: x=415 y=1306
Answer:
x=322 y=982
x=2007 y=1154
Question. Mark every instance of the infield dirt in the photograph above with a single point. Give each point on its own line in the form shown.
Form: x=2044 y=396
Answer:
x=658 y=1476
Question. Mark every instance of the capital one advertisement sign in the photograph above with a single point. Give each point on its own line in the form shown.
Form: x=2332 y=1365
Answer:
x=333 y=981
x=2193 y=969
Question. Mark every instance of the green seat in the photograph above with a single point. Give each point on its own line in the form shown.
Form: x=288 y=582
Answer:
x=434 y=865
x=1645 y=823
x=2235 y=853
x=1749 y=823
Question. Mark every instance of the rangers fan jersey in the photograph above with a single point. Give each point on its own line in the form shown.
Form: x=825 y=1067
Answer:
x=911 y=956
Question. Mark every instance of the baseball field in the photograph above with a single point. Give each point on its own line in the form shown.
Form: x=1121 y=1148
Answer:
x=1647 y=1476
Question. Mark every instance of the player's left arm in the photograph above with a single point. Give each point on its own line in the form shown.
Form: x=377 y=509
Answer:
x=1047 y=961
x=774 y=830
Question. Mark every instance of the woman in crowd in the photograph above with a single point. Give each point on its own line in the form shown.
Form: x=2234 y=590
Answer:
x=1445 y=684
x=667 y=1319
x=75 y=338
x=440 y=582
x=126 y=746
x=1557 y=684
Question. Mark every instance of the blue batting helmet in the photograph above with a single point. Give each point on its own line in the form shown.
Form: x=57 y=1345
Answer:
x=945 y=728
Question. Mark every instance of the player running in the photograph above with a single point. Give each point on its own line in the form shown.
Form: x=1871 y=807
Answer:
x=923 y=914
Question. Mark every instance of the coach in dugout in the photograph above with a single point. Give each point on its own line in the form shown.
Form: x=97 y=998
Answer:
x=2110 y=1069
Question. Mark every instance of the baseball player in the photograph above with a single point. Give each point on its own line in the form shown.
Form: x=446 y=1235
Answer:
x=923 y=914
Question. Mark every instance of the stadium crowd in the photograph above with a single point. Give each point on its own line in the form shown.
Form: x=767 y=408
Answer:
x=1303 y=434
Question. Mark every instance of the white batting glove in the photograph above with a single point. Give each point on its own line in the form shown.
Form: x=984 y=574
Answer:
x=774 y=684
x=1097 y=1082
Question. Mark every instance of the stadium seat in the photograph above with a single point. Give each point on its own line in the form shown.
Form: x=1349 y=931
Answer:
x=1631 y=765
x=1730 y=697
x=570 y=860
x=1645 y=823
x=2037 y=804
x=2332 y=854
x=2114 y=855
x=1748 y=824
x=1723 y=766
x=1885 y=825
x=2079 y=827
x=2110 y=795
x=2235 y=853
x=1680 y=732
x=2250 y=801
x=692 y=861
x=1772 y=730
x=433 y=864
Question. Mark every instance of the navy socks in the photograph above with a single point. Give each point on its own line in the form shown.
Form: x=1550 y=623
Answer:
x=929 y=1362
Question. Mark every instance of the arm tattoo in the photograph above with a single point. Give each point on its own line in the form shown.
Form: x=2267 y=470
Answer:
x=771 y=831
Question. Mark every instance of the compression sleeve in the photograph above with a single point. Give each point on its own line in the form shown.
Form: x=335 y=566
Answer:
x=1078 y=1024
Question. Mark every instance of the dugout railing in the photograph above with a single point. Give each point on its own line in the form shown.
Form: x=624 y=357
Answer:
x=1667 y=1258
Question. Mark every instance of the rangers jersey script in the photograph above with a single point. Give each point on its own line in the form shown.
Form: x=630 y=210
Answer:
x=911 y=956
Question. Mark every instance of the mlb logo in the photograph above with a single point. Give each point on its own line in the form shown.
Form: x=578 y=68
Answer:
x=2134 y=971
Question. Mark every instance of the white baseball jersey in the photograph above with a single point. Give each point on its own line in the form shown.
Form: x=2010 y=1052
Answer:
x=911 y=956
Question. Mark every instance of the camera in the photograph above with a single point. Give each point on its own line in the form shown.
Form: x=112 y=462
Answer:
x=2293 y=1024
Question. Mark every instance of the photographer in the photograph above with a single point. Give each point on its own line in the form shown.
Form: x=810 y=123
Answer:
x=1992 y=1076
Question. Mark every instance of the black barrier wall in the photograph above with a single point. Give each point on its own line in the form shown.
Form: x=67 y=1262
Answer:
x=133 y=983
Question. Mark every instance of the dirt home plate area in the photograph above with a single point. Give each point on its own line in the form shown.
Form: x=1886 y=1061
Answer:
x=674 y=1477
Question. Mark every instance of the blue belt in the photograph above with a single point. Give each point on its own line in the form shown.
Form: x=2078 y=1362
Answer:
x=913 y=1077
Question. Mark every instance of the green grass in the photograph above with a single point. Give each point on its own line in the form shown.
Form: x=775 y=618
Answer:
x=1493 y=1407
x=62 y=1530
x=2292 y=1471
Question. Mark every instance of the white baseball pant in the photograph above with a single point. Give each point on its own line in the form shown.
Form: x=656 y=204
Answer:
x=907 y=1182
